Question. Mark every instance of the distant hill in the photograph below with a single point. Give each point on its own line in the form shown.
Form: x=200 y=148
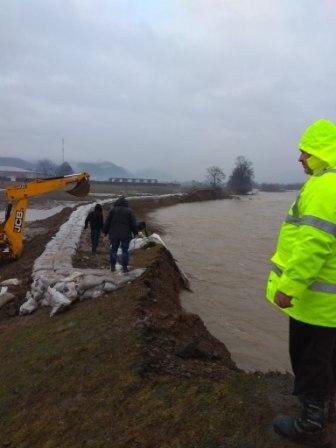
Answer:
x=101 y=170
x=18 y=163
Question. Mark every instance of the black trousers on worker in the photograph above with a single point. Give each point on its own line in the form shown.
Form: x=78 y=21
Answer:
x=312 y=352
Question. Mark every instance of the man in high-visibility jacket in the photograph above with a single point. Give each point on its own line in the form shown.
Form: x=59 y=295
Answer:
x=302 y=283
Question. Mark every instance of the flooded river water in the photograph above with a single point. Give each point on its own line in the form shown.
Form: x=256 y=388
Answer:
x=224 y=247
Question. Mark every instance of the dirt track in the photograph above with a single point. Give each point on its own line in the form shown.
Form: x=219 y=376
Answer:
x=39 y=233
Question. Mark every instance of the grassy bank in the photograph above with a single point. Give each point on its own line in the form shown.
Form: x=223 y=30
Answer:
x=131 y=369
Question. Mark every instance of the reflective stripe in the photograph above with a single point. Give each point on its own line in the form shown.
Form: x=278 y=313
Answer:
x=316 y=286
x=276 y=269
x=323 y=287
x=319 y=223
x=326 y=170
x=293 y=220
x=295 y=208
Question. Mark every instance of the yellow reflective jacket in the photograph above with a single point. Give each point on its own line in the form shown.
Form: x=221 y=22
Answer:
x=304 y=264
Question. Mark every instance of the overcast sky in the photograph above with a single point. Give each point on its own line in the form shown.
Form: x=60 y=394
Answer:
x=176 y=85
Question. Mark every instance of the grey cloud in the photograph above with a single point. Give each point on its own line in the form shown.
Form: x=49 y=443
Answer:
x=167 y=86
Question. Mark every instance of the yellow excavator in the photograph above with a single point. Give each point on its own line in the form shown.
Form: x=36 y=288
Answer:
x=12 y=229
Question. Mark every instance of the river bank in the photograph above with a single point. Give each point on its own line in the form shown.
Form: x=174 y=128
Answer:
x=225 y=248
x=131 y=369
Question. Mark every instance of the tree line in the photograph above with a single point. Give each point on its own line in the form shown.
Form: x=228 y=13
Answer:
x=241 y=180
x=47 y=168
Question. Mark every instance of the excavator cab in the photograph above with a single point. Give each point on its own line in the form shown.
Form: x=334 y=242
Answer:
x=12 y=229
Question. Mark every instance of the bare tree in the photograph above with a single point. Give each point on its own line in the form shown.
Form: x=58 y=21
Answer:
x=241 y=179
x=215 y=176
x=46 y=167
x=64 y=169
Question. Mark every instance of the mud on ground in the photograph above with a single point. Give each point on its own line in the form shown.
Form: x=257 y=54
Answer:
x=37 y=235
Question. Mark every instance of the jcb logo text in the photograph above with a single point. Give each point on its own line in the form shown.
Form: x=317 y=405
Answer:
x=18 y=221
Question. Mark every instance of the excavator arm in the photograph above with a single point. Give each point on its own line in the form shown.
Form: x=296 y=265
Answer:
x=12 y=229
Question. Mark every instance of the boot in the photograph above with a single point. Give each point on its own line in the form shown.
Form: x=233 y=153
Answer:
x=310 y=429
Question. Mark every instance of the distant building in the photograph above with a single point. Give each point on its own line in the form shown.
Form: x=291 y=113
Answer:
x=14 y=173
x=131 y=180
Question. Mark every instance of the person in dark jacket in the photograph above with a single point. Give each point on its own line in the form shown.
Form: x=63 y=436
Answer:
x=120 y=225
x=96 y=221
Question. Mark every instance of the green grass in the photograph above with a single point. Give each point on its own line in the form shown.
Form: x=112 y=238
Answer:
x=73 y=381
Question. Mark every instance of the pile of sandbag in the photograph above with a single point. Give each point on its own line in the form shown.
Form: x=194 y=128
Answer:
x=57 y=284
x=5 y=295
x=80 y=285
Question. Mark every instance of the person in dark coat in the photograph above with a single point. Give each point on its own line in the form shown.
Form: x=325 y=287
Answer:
x=120 y=225
x=96 y=221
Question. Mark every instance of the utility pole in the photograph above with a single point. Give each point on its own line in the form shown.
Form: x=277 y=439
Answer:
x=62 y=150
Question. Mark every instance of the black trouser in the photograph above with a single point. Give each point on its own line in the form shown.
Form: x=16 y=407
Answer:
x=95 y=236
x=312 y=351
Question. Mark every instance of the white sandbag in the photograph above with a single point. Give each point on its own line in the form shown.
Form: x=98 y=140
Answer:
x=92 y=293
x=71 y=291
x=135 y=273
x=5 y=298
x=74 y=276
x=3 y=290
x=109 y=287
x=155 y=238
x=39 y=287
x=68 y=289
x=11 y=282
x=29 y=306
x=55 y=299
x=122 y=278
x=137 y=243
x=90 y=281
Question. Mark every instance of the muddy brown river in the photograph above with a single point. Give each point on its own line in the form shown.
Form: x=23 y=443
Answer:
x=224 y=247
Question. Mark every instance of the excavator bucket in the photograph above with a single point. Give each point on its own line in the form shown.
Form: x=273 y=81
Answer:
x=82 y=188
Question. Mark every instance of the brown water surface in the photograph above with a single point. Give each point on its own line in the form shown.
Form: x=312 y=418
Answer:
x=224 y=247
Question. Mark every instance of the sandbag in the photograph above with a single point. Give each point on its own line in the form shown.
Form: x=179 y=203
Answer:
x=11 y=282
x=5 y=298
x=29 y=306
x=92 y=293
x=90 y=281
x=109 y=287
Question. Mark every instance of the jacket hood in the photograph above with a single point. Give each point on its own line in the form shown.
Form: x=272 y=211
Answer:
x=319 y=140
x=98 y=208
x=121 y=202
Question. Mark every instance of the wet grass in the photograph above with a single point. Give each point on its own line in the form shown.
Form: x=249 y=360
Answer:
x=73 y=381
